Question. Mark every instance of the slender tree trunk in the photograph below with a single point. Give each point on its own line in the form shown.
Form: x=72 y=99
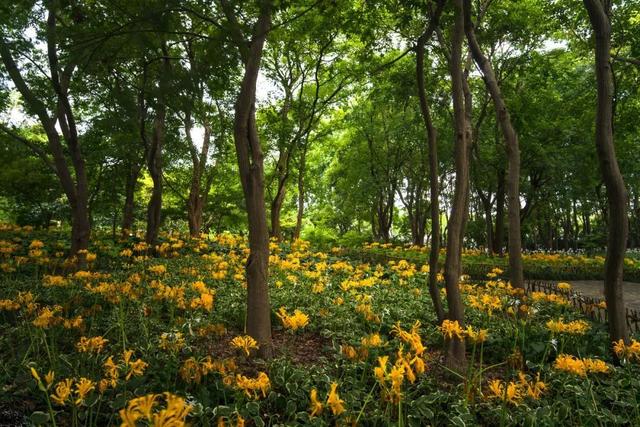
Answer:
x=197 y=193
x=129 y=199
x=276 y=207
x=600 y=17
x=301 y=195
x=498 y=242
x=434 y=250
x=512 y=148
x=251 y=168
x=455 y=357
x=76 y=189
x=154 y=164
x=154 y=155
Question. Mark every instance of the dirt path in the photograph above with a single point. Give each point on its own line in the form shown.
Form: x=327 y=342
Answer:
x=595 y=288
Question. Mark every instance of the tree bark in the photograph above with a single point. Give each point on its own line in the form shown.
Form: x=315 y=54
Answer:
x=498 y=235
x=512 y=149
x=197 y=191
x=154 y=153
x=301 y=170
x=251 y=167
x=617 y=227
x=129 y=199
x=154 y=164
x=455 y=356
x=75 y=186
x=431 y=134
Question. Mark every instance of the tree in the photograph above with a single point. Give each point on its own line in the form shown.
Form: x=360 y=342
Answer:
x=600 y=17
x=512 y=148
x=434 y=250
x=456 y=358
x=67 y=162
x=251 y=168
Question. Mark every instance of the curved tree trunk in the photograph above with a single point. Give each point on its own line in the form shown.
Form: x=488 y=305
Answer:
x=154 y=164
x=512 y=148
x=251 y=168
x=617 y=225
x=455 y=356
x=154 y=155
x=75 y=185
x=434 y=250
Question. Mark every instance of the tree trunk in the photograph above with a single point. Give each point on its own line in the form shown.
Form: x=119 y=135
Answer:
x=80 y=228
x=251 y=168
x=129 y=199
x=455 y=356
x=512 y=148
x=302 y=168
x=276 y=206
x=600 y=17
x=498 y=236
x=154 y=155
x=434 y=250
x=154 y=164
x=76 y=189
x=197 y=194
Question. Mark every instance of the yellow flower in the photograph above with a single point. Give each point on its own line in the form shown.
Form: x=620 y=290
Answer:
x=49 y=378
x=380 y=371
x=478 y=336
x=35 y=375
x=190 y=371
x=135 y=367
x=627 y=352
x=62 y=391
x=143 y=405
x=565 y=287
x=349 y=352
x=581 y=367
x=36 y=244
x=451 y=329
x=507 y=392
x=316 y=405
x=91 y=345
x=206 y=300
x=158 y=269
x=248 y=385
x=334 y=402
x=245 y=343
x=576 y=327
x=295 y=321
x=83 y=387
x=372 y=340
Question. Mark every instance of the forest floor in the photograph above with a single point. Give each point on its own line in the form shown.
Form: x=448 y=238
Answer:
x=595 y=288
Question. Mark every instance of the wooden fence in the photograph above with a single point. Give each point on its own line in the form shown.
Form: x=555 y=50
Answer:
x=594 y=308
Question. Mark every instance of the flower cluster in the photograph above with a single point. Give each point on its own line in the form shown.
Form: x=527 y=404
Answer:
x=293 y=322
x=148 y=408
x=581 y=367
x=576 y=327
x=515 y=391
x=627 y=352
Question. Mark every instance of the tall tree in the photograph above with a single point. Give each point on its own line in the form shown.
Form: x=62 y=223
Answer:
x=617 y=221
x=251 y=168
x=431 y=134
x=73 y=176
x=512 y=148
x=456 y=358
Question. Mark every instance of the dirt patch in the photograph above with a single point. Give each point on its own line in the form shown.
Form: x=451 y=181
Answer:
x=303 y=349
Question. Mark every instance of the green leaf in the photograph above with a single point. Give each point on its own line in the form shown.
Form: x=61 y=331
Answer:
x=40 y=418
